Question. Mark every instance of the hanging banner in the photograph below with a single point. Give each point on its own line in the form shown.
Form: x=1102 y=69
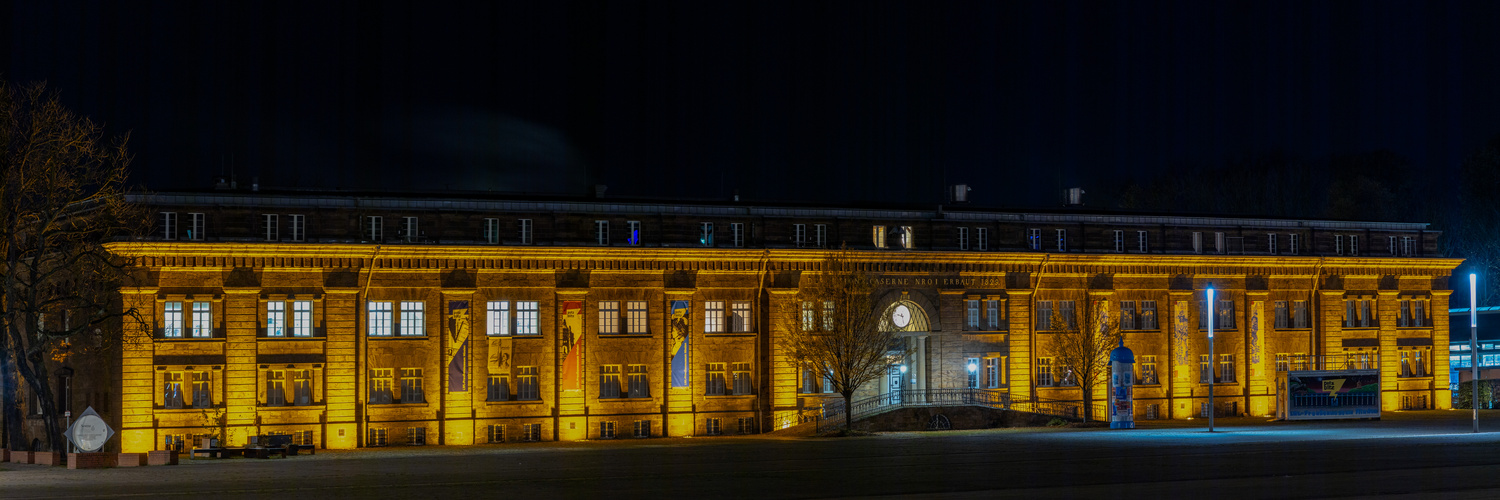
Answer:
x=677 y=329
x=1182 y=342
x=572 y=346
x=1257 y=343
x=459 y=326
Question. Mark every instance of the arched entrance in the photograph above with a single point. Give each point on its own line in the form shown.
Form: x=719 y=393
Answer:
x=906 y=377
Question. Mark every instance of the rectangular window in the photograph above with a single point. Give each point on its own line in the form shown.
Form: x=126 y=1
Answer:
x=982 y=239
x=202 y=390
x=302 y=385
x=974 y=373
x=742 y=383
x=411 y=386
x=1392 y=246
x=1034 y=239
x=498 y=388
x=1299 y=314
x=609 y=317
x=737 y=234
x=171 y=320
x=1148 y=371
x=525 y=229
x=1069 y=317
x=380 y=386
x=1205 y=370
x=1141 y=241
x=416 y=436
x=374 y=229
x=1127 y=315
x=497 y=317
x=169 y=225
x=299 y=227
x=740 y=320
x=171 y=391
x=636 y=318
x=820 y=235
x=302 y=318
x=1283 y=316
x=1119 y=241
x=1062 y=240
x=1403 y=313
x=276 y=319
x=380 y=319
x=1358 y=313
x=203 y=320
x=377 y=437
x=409 y=229
x=601 y=232
x=973 y=314
x=1043 y=315
x=197 y=223
x=496 y=433
x=412 y=319
x=993 y=313
x=492 y=232
x=1219 y=246
x=275 y=388
x=1419 y=364
x=713 y=316
x=1353 y=245
x=711 y=427
x=1294 y=243
x=1338 y=244
x=1271 y=243
x=1224 y=315
x=606 y=430
x=1044 y=372
x=1197 y=242
x=799 y=235
x=1148 y=315
x=1408 y=246
x=706 y=234
x=992 y=372
x=640 y=384
x=1282 y=364
x=807 y=316
x=527 y=315
x=609 y=382
x=528 y=387
x=1226 y=368
x=908 y=238
x=877 y=233
x=1405 y=363
x=633 y=237
x=828 y=316
x=715 y=385
x=1419 y=313
x=268 y=227
x=963 y=238
x=747 y=425
x=531 y=432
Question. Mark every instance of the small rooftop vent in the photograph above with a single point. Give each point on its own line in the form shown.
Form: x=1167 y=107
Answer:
x=1073 y=197
x=959 y=193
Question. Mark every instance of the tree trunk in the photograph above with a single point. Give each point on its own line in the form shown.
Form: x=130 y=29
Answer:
x=10 y=408
x=1088 y=404
x=37 y=379
x=848 y=412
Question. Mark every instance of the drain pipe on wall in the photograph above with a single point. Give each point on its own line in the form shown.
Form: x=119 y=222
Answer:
x=361 y=385
x=1041 y=269
x=759 y=288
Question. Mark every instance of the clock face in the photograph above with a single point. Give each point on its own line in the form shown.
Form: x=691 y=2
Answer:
x=901 y=316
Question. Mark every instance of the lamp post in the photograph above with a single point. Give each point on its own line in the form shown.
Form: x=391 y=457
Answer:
x=973 y=379
x=1474 y=345
x=1210 y=357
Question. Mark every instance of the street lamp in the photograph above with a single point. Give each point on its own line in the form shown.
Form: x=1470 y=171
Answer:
x=1474 y=344
x=973 y=379
x=1210 y=357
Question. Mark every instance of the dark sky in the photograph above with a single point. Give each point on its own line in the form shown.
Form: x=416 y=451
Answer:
x=807 y=101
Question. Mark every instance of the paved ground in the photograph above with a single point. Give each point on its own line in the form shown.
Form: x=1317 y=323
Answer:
x=1414 y=454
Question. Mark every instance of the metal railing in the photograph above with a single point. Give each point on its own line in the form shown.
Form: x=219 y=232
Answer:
x=1315 y=362
x=831 y=414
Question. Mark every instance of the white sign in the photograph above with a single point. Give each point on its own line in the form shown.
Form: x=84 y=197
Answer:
x=90 y=432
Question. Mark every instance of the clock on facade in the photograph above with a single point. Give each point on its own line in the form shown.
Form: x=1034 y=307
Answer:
x=901 y=316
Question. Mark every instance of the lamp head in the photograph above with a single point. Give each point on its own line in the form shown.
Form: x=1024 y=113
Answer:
x=973 y=367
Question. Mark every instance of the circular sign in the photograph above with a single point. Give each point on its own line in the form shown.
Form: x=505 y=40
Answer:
x=90 y=433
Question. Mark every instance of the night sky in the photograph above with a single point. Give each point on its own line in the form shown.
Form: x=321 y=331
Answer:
x=863 y=102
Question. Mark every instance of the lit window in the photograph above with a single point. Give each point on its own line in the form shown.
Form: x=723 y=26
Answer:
x=609 y=317
x=739 y=318
x=380 y=319
x=878 y=234
x=302 y=318
x=172 y=319
x=275 y=319
x=1034 y=239
x=412 y=319
x=203 y=320
x=713 y=316
x=992 y=311
x=972 y=307
x=497 y=317
x=527 y=316
x=636 y=318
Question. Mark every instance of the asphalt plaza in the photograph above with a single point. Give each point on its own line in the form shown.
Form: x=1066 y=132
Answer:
x=1427 y=454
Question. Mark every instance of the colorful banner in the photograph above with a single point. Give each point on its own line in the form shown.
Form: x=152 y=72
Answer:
x=1332 y=394
x=678 y=331
x=1182 y=342
x=572 y=346
x=460 y=324
x=1257 y=343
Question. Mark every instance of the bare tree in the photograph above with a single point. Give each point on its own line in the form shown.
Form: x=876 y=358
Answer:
x=1082 y=346
x=833 y=328
x=61 y=199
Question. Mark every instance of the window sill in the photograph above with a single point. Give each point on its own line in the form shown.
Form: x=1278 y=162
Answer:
x=729 y=396
x=626 y=400
x=513 y=402
x=189 y=339
x=625 y=336
x=512 y=336
x=293 y=338
x=1291 y=328
x=1414 y=377
x=398 y=337
x=397 y=405
x=1405 y=328
x=1361 y=328
x=188 y=410
x=1220 y=384
x=314 y=406
x=1148 y=386
x=731 y=334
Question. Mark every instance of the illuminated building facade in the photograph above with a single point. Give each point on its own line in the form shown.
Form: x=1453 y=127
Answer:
x=367 y=321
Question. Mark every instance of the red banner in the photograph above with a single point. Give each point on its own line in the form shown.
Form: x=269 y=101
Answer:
x=572 y=346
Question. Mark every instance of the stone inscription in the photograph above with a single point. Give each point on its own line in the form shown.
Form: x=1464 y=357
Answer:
x=945 y=281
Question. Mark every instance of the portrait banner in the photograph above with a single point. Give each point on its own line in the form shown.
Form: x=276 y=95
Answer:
x=572 y=346
x=677 y=330
x=460 y=325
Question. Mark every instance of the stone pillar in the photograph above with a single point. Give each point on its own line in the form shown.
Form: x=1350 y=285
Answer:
x=1018 y=310
x=1437 y=311
x=138 y=382
x=240 y=308
x=460 y=341
x=341 y=378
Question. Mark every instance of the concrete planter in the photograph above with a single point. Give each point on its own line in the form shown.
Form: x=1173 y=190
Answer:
x=91 y=460
x=161 y=457
x=21 y=457
x=130 y=460
x=53 y=458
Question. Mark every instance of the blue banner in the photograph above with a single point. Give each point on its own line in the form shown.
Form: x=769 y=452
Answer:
x=678 y=330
